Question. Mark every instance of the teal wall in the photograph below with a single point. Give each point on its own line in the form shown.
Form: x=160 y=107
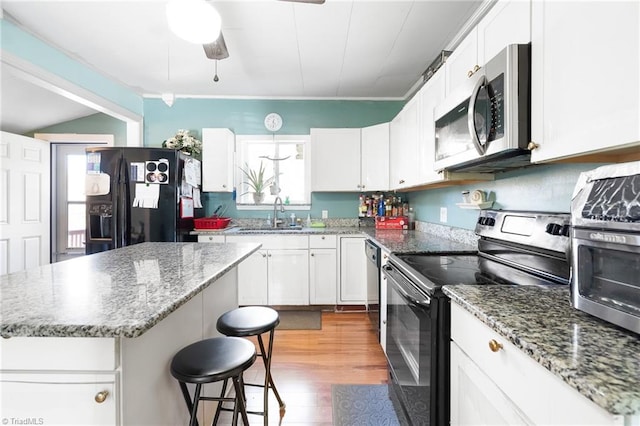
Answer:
x=93 y=124
x=246 y=116
x=17 y=42
x=539 y=188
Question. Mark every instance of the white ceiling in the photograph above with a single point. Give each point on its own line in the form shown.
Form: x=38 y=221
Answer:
x=343 y=49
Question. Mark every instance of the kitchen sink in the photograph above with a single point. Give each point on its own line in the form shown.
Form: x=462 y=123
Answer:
x=269 y=229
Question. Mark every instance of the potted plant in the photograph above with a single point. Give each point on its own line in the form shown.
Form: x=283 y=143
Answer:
x=256 y=181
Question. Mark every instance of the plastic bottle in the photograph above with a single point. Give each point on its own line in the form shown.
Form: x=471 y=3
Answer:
x=308 y=222
x=268 y=220
x=381 y=209
x=293 y=219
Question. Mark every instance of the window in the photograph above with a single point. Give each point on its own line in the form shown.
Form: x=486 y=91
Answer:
x=285 y=164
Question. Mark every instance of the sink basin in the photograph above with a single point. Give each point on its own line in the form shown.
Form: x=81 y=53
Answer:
x=270 y=229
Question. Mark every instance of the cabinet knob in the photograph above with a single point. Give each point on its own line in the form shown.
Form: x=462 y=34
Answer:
x=101 y=396
x=264 y=255
x=494 y=345
x=312 y=254
x=532 y=145
x=210 y=238
x=224 y=186
x=401 y=181
x=323 y=238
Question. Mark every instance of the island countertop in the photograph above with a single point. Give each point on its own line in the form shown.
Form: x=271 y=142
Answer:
x=599 y=360
x=117 y=293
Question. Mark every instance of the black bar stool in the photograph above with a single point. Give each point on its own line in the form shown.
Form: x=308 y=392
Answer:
x=213 y=360
x=254 y=321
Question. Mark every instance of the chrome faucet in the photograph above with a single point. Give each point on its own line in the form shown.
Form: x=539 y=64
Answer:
x=275 y=210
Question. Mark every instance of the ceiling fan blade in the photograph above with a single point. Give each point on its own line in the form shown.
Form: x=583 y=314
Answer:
x=217 y=49
x=306 y=1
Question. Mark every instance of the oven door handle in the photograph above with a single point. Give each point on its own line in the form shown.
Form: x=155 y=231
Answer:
x=406 y=295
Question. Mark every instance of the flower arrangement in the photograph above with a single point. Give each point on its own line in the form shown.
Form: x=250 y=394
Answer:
x=185 y=143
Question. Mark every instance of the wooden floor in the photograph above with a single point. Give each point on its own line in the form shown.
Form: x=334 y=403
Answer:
x=307 y=362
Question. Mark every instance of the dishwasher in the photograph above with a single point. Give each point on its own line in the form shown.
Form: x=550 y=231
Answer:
x=372 y=252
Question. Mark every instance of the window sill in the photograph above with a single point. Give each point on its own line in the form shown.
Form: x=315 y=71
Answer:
x=269 y=207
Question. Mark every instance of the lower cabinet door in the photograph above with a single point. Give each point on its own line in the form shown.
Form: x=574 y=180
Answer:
x=59 y=399
x=252 y=279
x=353 y=271
x=323 y=276
x=288 y=272
x=475 y=399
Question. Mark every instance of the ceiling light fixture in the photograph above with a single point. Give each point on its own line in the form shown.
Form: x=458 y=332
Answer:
x=168 y=98
x=195 y=21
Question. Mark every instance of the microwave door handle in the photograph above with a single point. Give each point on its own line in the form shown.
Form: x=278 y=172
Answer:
x=471 y=115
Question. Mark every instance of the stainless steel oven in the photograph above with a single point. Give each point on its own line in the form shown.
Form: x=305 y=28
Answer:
x=605 y=215
x=514 y=248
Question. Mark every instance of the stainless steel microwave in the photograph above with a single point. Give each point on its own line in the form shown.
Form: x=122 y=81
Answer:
x=485 y=125
x=605 y=219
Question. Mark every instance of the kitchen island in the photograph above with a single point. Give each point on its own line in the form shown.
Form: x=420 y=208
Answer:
x=89 y=341
x=557 y=365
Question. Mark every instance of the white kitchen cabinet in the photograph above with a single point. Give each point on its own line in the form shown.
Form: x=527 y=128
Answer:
x=278 y=274
x=208 y=238
x=582 y=103
x=288 y=277
x=323 y=269
x=374 y=165
x=507 y=22
x=502 y=385
x=353 y=271
x=335 y=159
x=218 y=150
x=403 y=146
x=253 y=280
x=82 y=399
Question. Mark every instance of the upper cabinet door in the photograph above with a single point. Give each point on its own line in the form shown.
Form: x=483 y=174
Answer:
x=508 y=22
x=218 y=148
x=585 y=78
x=375 y=158
x=432 y=93
x=335 y=160
x=462 y=63
x=403 y=146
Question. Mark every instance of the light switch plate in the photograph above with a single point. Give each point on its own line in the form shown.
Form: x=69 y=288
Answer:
x=325 y=214
x=443 y=214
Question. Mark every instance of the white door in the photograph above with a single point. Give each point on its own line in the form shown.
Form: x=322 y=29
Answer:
x=24 y=202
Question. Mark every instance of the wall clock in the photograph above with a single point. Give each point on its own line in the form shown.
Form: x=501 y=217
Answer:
x=273 y=122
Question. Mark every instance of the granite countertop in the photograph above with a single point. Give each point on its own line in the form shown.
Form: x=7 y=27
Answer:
x=402 y=241
x=598 y=359
x=392 y=240
x=117 y=293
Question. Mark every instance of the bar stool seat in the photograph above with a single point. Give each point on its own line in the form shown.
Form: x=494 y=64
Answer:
x=213 y=360
x=255 y=321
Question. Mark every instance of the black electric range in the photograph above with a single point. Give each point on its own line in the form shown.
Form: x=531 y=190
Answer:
x=514 y=248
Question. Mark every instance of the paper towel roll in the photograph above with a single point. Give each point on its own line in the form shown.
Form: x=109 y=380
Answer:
x=477 y=196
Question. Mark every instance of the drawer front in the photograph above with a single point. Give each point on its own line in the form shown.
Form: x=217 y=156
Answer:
x=59 y=353
x=79 y=399
x=273 y=241
x=210 y=238
x=323 y=241
x=542 y=396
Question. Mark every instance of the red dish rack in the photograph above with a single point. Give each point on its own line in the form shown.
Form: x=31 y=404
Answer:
x=211 y=222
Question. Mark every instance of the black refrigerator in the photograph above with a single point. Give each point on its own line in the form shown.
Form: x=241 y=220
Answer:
x=136 y=195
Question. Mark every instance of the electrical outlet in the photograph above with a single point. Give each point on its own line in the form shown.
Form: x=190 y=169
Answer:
x=325 y=214
x=443 y=214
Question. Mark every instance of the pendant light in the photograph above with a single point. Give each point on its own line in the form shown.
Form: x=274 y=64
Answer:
x=195 y=21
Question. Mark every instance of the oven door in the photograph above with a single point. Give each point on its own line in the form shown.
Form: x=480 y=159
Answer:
x=605 y=283
x=411 y=353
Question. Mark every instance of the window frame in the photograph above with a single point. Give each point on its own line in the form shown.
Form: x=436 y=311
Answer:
x=241 y=152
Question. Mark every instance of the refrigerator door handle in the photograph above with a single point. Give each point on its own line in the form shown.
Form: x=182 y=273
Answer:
x=126 y=205
x=121 y=202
